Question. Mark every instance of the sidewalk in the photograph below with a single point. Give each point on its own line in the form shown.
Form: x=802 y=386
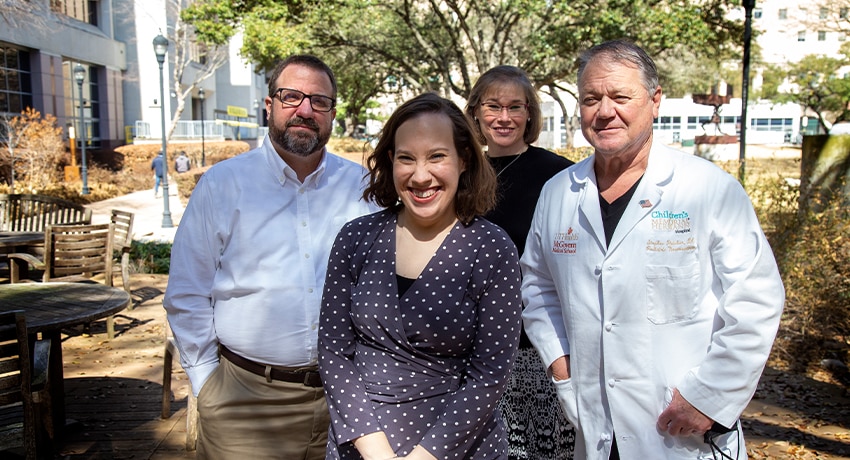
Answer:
x=148 y=211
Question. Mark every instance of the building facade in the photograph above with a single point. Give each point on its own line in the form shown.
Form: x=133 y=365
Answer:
x=120 y=95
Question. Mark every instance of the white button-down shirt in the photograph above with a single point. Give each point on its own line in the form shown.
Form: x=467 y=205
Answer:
x=249 y=259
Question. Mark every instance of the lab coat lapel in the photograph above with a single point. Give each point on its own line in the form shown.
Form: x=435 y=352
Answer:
x=647 y=197
x=584 y=178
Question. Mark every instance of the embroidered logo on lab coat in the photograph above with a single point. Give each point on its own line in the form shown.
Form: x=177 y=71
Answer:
x=670 y=221
x=565 y=242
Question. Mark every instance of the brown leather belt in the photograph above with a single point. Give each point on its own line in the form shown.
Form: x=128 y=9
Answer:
x=310 y=378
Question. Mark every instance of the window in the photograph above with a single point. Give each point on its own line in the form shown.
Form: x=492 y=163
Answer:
x=771 y=124
x=15 y=81
x=783 y=13
x=842 y=12
x=81 y=10
x=668 y=123
x=757 y=13
x=824 y=12
x=801 y=36
x=697 y=122
x=90 y=102
x=821 y=36
x=842 y=36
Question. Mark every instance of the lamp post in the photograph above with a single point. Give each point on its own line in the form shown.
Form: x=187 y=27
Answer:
x=80 y=76
x=259 y=118
x=202 y=96
x=160 y=47
x=745 y=87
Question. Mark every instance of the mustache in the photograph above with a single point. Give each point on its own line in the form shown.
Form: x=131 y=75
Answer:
x=308 y=122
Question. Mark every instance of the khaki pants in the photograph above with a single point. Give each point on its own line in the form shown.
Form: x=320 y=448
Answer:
x=241 y=416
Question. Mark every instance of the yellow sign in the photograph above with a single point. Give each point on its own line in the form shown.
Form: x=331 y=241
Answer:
x=240 y=112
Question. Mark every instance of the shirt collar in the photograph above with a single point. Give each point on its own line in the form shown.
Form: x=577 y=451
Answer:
x=284 y=172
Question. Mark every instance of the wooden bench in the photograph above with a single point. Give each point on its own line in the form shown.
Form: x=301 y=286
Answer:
x=33 y=213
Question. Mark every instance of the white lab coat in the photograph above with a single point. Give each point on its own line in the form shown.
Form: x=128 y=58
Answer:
x=686 y=296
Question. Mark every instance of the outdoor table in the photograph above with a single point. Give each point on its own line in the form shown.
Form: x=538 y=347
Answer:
x=49 y=307
x=12 y=242
x=16 y=240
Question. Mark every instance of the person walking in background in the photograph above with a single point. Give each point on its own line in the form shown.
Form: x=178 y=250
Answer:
x=158 y=168
x=182 y=162
x=247 y=271
x=651 y=291
x=506 y=112
x=421 y=311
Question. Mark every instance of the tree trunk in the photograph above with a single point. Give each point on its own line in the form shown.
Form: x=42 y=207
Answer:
x=825 y=172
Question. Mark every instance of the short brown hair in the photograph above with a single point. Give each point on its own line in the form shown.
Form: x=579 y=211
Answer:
x=476 y=190
x=507 y=75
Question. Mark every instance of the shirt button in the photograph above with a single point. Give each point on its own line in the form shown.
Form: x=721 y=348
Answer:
x=611 y=383
x=609 y=326
x=306 y=256
x=313 y=327
x=310 y=290
x=304 y=223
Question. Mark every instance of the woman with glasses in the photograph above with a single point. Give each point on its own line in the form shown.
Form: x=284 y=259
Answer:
x=420 y=314
x=506 y=112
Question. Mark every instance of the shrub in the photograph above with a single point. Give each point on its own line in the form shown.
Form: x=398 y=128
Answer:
x=575 y=154
x=150 y=257
x=813 y=253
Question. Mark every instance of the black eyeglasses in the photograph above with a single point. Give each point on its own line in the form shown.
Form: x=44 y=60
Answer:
x=293 y=98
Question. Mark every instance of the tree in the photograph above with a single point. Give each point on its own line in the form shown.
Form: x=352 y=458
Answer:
x=193 y=60
x=817 y=84
x=443 y=45
x=33 y=148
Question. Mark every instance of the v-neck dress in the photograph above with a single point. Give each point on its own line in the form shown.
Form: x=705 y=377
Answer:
x=428 y=367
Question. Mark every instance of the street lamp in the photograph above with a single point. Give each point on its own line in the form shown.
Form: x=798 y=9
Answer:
x=80 y=76
x=202 y=96
x=160 y=47
x=745 y=86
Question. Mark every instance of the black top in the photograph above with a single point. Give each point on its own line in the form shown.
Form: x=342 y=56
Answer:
x=519 y=188
x=613 y=212
x=520 y=182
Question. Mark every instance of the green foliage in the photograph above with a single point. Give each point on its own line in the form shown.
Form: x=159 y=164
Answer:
x=816 y=85
x=444 y=45
x=151 y=256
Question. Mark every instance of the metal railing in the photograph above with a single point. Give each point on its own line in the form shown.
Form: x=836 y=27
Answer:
x=190 y=129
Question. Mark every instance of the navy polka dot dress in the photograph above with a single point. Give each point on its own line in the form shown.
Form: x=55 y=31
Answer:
x=427 y=367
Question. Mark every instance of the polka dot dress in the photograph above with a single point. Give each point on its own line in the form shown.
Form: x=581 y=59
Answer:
x=427 y=367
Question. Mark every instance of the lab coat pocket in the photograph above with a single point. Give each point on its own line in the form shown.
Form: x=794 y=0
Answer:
x=568 y=399
x=671 y=293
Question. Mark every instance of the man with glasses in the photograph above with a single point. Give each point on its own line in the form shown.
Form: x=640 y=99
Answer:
x=247 y=272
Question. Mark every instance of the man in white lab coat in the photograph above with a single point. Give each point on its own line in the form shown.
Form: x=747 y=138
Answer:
x=651 y=291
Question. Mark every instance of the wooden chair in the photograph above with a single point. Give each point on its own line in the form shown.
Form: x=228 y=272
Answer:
x=33 y=213
x=73 y=253
x=24 y=389
x=172 y=354
x=123 y=222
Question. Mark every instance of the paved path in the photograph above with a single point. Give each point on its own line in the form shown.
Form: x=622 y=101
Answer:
x=148 y=210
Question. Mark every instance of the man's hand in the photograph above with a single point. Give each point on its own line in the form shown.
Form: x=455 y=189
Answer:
x=560 y=368
x=682 y=419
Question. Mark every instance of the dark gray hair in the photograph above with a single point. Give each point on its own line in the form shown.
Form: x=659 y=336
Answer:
x=623 y=51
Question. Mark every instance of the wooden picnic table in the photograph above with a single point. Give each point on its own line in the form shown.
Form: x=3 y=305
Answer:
x=50 y=307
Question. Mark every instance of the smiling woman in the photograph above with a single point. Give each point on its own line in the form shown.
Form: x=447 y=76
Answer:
x=420 y=315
